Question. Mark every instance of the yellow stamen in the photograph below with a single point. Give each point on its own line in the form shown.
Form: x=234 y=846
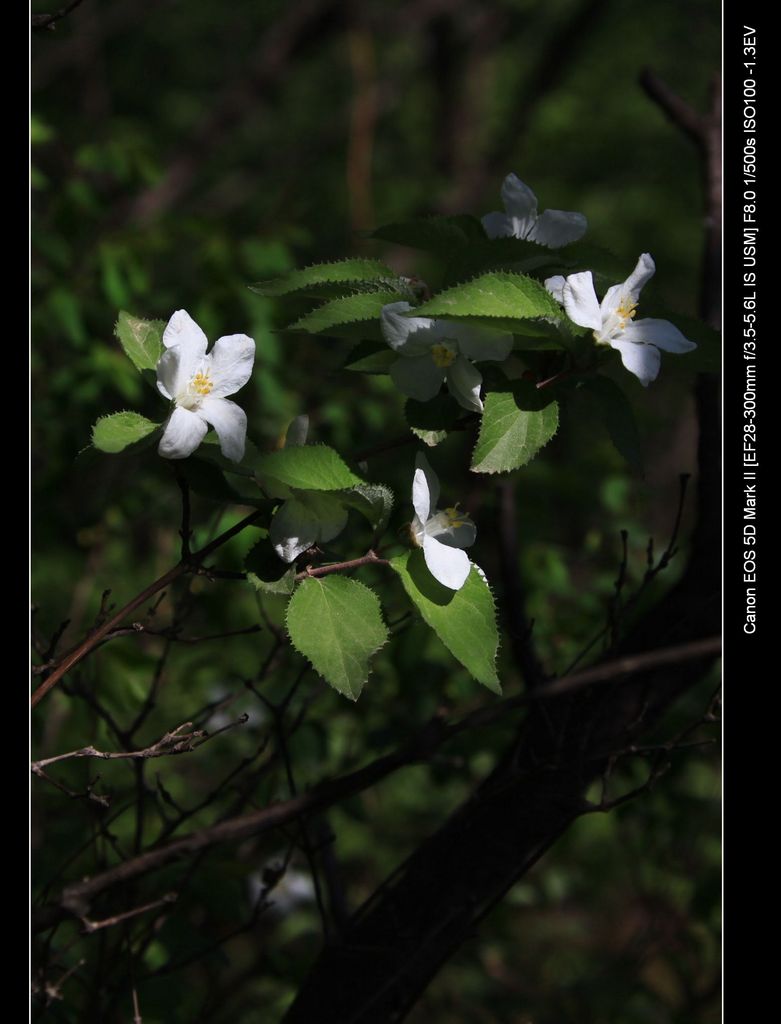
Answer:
x=201 y=383
x=443 y=356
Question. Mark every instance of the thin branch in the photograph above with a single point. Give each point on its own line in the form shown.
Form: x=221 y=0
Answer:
x=370 y=558
x=677 y=109
x=76 y=897
x=108 y=922
x=48 y=21
x=167 y=578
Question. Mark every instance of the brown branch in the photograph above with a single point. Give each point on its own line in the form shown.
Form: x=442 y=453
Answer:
x=174 y=742
x=677 y=109
x=108 y=922
x=87 y=645
x=48 y=21
x=436 y=732
x=371 y=558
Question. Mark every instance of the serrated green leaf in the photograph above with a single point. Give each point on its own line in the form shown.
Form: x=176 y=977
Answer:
x=464 y=620
x=142 y=340
x=349 y=271
x=434 y=234
x=337 y=624
x=431 y=421
x=335 y=317
x=618 y=417
x=208 y=480
x=511 y=297
x=266 y=572
x=371 y=357
x=119 y=431
x=373 y=501
x=516 y=423
x=312 y=467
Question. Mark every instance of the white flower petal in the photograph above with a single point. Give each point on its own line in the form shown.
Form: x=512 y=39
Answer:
x=580 y=300
x=410 y=335
x=481 y=342
x=417 y=377
x=182 y=330
x=230 y=422
x=555 y=228
x=555 y=286
x=231 y=362
x=463 y=381
x=448 y=565
x=661 y=333
x=497 y=225
x=641 y=360
x=168 y=373
x=520 y=203
x=297 y=432
x=643 y=272
x=293 y=529
x=425 y=488
x=183 y=432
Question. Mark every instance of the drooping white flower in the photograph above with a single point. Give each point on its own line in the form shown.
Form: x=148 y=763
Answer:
x=441 y=535
x=433 y=351
x=197 y=384
x=613 y=323
x=307 y=518
x=553 y=228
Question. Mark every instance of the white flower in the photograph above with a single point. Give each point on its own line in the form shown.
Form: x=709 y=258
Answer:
x=613 y=321
x=434 y=351
x=440 y=534
x=553 y=228
x=197 y=383
x=308 y=518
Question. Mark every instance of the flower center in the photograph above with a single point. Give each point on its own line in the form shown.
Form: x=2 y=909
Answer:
x=443 y=355
x=201 y=383
x=455 y=517
x=198 y=387
x=625 y=311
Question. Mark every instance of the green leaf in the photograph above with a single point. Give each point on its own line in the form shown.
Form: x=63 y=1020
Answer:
x=498 y=252
x=350 y=271
x=142 y=340
x=618 y=418
x=266 y=572
x=371 y=357
x=512 y=298
x=517 y=422
x=435 y=234
x=431 y=421
x=337 y=624
x=114 y=433
x=374 y=501
x=464 y=620
x=312 y=467
x=340 y=316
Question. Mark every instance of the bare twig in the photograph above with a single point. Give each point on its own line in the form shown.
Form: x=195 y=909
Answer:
x=48 y=21
x=370 y=558
x=87 y=645
x=108 y=922
x=76 y=897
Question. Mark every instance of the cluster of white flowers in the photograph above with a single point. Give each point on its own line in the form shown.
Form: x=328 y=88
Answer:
x=431 y=352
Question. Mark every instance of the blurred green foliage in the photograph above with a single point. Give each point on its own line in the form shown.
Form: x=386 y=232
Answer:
x=181 y=152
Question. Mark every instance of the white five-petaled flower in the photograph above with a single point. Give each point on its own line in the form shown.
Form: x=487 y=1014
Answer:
x=553 y=228
x=613 y=323
x=433 y=351
x=197 y=383
x=441 y=535
x=308 y=518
